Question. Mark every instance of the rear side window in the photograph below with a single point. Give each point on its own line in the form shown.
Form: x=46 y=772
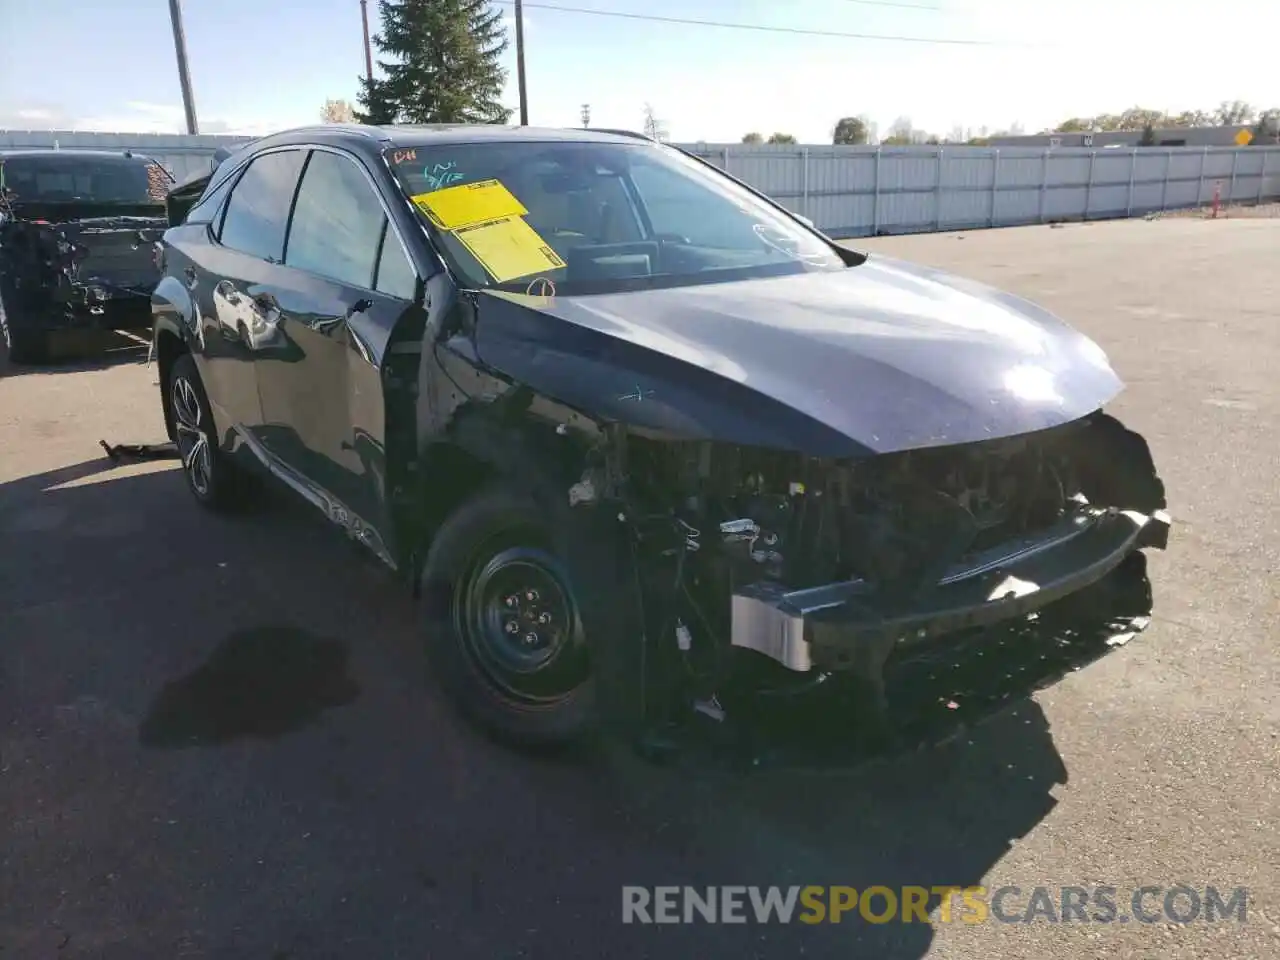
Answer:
x=66 y=177
x=258 y=209
x=205 y=210
x=337 y=222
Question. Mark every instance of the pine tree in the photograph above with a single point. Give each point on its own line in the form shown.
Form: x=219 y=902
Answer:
x=445 y=67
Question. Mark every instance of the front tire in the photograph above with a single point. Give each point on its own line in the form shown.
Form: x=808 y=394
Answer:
x=504 y=623
x=210 y=477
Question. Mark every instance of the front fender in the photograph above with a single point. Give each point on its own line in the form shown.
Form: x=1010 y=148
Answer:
x=614 y=380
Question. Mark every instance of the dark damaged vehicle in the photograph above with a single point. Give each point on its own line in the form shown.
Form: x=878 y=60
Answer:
x=77 y=233
x=633 y=431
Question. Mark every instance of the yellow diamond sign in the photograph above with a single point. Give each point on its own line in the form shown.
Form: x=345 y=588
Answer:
x=1244 y=138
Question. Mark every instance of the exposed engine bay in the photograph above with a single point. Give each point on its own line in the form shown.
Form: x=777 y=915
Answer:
x=829 y=565
x=893 y=521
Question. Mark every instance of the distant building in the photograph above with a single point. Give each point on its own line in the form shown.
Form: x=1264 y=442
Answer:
x=1165 y=137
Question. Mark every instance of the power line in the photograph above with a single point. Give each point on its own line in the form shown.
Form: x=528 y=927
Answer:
x=759 y=27
x=894 y=3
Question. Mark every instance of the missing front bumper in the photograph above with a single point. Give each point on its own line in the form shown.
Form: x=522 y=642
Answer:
x=840 y=626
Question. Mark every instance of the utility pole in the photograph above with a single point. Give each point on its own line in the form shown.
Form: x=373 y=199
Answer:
x=184 y=76
x=368 y=50
x=524 y=97
x=586 y=116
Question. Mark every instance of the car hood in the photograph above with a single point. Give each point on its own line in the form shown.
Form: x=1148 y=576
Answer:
x=881 y=357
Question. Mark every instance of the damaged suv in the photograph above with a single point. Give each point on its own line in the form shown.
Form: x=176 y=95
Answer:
x=77 y=229
x=632 y=430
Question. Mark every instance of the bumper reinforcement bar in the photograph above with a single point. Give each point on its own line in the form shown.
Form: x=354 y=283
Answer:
x=840 y=626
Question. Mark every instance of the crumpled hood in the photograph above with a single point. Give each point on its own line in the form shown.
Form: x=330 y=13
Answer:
x=890 y=355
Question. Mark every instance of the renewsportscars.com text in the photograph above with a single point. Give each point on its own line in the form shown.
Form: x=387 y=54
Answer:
x=947 y=904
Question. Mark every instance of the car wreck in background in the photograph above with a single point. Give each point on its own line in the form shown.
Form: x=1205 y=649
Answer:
x=77 y=230
x=632 y=430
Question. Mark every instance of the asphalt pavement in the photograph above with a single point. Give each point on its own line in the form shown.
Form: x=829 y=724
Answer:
x=218 y=737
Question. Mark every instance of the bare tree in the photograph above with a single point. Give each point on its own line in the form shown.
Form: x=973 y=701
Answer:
x=1232 y=113
x=1268 y=128
x=337 y=111
x=1139 y=118
x=654 y=128
x=1191 y=118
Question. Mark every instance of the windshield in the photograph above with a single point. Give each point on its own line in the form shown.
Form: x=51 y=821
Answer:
x=47 y=179
x=567 y=218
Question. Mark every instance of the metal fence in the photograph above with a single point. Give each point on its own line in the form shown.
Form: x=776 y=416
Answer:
x=861 y=191
x=182 y=154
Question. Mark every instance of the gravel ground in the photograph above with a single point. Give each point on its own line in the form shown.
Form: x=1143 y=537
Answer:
x=216 y=739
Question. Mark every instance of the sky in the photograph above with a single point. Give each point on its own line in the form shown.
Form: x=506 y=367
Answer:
x=261 y=65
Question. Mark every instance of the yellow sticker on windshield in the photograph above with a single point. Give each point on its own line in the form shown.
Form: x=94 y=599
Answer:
x=509 y=248
x=468 y=204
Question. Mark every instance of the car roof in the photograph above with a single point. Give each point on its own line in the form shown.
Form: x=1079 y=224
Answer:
x=416 y=136
x=369 y=141
x=368 y=138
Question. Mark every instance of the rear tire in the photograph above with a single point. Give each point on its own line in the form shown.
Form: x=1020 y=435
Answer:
x=24 y=346
x=212 y=479
x=504 y=623
x=27 y=347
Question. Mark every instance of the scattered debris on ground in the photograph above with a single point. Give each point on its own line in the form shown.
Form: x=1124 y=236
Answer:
x=1236 y=211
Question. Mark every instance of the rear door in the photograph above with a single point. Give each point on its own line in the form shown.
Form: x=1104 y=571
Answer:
x=235 y=281
x=349 y=283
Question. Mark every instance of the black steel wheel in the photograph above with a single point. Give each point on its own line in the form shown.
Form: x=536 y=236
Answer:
x=504 y=623
x=518 y=619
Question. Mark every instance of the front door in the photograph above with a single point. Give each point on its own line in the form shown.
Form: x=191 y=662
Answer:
x=346 y=284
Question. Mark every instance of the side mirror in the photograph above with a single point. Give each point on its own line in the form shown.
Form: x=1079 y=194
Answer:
x=806 y=221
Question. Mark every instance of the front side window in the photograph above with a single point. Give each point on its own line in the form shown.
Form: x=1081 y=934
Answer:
x=396 y=276
x=597 y=217
x=70 y=178
x=258 y=209
x=337 y=222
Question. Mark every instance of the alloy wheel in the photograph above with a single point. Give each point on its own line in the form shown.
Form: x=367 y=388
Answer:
x=192 y=438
